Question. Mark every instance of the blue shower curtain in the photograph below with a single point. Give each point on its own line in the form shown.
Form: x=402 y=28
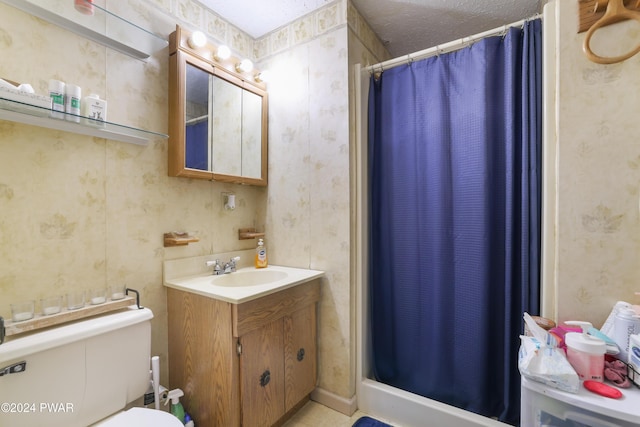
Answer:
x=197 y=146
x=454 y=172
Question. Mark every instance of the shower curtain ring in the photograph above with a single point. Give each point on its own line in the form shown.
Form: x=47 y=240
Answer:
x=377 y=73
x=505 y=29
x=470 y=41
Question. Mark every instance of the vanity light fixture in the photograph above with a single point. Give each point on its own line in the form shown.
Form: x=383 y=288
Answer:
x=244 y=66
x=262 y=77
x=223 y=53
x=197 y=39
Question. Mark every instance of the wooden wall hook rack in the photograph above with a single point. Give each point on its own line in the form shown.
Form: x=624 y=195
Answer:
x=590 y=12
x=614 y=11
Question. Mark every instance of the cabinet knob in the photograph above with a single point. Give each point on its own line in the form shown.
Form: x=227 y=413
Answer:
x=265 y=378
x=300 y=354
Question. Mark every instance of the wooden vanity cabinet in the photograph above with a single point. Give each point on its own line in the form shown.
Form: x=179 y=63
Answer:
x=250 y=364
x=300 y=356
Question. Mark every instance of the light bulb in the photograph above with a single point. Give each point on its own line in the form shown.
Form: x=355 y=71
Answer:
x=244 y=66
x=197 y=39
x=223 y=53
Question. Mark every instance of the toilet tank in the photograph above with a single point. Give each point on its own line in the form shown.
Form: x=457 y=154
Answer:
x=78 y=373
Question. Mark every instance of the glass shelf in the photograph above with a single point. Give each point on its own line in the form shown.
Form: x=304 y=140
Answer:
x=22 y=112
x=103 y=26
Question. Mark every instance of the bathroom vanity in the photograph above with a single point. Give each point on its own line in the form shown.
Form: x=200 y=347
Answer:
x=248 y=359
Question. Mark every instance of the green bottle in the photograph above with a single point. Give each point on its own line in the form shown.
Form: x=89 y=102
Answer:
x=176 y=406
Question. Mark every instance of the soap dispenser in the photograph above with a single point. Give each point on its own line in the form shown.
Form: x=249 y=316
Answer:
x=585 y=353
x=176 y=406
x=261 y=254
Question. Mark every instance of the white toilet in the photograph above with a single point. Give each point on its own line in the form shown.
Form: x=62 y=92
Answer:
x=80 y=374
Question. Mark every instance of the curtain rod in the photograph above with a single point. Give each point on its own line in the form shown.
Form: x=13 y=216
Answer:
x=445 y=48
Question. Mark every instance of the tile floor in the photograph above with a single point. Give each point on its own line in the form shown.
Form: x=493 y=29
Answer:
x=316 y=415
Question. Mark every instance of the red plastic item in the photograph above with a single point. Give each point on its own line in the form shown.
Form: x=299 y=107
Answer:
x=602 y=389
x=84 y=6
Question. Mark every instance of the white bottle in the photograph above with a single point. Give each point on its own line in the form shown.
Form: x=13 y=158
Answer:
x=626 y=323
x=634 y=359
x=72 y=97
x=56 y=92
x=609 y=324
x=94 y=109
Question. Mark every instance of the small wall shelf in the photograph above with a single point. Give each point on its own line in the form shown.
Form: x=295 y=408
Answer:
x=248 y=233
x=20 y=112
x=103 y=26
x=178 y=239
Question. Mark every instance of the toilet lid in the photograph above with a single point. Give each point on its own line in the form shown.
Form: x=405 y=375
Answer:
x=143 y=417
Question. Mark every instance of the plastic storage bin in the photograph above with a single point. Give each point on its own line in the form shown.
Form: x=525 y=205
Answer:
x=543 y=406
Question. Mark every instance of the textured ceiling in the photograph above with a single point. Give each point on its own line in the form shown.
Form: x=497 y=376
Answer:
x=259 y=17
x=405 y=26
x=411 y=25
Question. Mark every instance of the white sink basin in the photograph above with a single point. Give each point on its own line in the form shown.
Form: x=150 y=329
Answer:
x=249 y=278
x=246 y=284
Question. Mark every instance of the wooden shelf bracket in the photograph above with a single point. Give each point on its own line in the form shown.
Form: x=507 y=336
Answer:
x=178 y=239
x=248 y=233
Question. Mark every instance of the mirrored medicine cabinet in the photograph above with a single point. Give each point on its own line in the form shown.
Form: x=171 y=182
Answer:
x=217 y=117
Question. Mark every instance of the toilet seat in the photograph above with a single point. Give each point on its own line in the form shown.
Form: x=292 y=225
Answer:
x=143 y=417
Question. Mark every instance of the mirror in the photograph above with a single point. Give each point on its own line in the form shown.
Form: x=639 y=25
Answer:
x=218 y=118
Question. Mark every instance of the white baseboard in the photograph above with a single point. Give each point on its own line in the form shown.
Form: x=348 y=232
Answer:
x=335 y=402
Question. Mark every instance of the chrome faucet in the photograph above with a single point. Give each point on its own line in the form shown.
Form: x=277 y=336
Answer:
x=230 y=267
x=217 y=268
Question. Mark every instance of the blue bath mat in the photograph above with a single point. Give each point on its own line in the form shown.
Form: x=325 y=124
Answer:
x=369 y=422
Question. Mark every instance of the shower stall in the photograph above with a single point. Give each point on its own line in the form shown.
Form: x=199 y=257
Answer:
x=374 y=397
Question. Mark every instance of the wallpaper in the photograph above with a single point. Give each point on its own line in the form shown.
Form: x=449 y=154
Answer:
x=597 y=233
x=311 y=173
x=79 y=212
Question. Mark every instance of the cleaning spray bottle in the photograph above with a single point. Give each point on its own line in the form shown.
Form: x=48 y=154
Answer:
x=176 y=407
x=188 y=422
